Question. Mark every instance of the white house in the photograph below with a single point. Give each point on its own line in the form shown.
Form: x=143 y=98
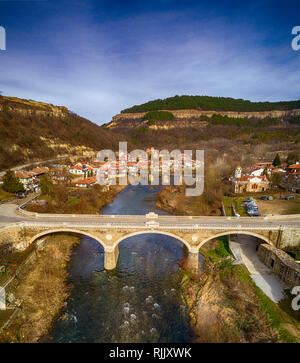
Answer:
x=257 y=172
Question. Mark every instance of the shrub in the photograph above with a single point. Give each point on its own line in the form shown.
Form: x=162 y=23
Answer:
x=158 y=116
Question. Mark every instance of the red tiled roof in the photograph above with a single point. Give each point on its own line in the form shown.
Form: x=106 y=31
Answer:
x=249 y=177
x=38 y=170
x=265 y=163
x=80 y=167
x=294 y=166
x=89 y=180
x=97 y=163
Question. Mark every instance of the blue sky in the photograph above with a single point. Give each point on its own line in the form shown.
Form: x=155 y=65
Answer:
x=99 y=57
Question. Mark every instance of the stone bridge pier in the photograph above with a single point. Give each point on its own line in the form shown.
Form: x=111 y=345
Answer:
x=111 y=255
x=190 y=258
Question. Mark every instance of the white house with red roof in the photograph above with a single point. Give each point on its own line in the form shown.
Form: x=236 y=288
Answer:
x=294 y=169
x=85 y=183
x=80 y=169
x=30 y=179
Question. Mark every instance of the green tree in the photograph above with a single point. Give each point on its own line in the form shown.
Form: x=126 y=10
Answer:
x=292 y=158
x=12 y=184
x=265 y=172
x=46 y=185
x=276 y=179
x=276 y=161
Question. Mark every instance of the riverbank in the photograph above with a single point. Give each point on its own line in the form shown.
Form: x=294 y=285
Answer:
x=226 y=306
x=173 y=200
x=75 y=200
x=42 y=292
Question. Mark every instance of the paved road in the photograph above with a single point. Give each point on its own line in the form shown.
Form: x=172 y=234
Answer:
x=244 y=250
x=34 y=163
x=8 y=215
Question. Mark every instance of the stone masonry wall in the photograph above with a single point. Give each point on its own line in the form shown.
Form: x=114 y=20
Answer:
x=287 y=269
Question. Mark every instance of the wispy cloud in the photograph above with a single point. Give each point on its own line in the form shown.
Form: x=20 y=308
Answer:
x=97 y=67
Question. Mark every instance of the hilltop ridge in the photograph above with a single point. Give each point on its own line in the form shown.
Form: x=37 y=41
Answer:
x=232 y=126
x=210 y=103
x=32 y=131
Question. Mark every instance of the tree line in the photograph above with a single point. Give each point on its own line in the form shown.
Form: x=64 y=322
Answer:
x=211 y=103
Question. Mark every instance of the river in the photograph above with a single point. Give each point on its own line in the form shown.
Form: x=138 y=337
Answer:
x=139 y=301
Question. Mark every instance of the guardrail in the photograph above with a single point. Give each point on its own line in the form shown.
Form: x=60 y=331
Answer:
x=22 y=212
x=142 y=225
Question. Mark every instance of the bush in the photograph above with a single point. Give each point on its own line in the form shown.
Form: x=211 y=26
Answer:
x=158 y=116
x=11 y=184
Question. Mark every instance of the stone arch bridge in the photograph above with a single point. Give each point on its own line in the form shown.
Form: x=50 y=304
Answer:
x=110 y=230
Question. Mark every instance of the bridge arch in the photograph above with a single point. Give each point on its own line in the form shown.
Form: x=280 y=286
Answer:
x=147 y=231
x=191 y=256
x=235 y=232
x=75 y=231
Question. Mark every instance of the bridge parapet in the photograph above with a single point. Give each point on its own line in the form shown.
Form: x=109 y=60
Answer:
x=109 y=231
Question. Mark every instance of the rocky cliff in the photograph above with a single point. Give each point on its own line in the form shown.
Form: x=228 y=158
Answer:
x=190 y=118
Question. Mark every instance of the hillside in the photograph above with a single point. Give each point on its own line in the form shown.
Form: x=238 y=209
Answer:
x=258 y=133
x=211 y=104
x=32 y=131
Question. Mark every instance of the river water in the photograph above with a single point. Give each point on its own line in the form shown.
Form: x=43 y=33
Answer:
x=139 y=301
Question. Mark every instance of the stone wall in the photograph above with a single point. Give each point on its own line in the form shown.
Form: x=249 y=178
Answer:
x=290 y=237
x=287 y=269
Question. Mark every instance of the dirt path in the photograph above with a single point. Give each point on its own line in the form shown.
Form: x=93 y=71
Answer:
x=278 y=206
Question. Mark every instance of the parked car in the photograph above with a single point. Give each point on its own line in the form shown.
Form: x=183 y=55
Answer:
x=253 y=214
x=21 y=194
x=270 y=197
x=263 y=197
x=289 y=197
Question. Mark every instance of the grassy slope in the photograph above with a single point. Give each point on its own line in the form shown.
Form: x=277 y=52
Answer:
x=5 y=195
x=30 y=131
x=235 y=308
x=42 y=291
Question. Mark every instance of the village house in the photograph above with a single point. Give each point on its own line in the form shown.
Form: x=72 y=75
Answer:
x=292 y=178
x=30 y=179
x=268 y=164
x=294 y=169
x=86 y=183
x=258 y=171
x=81 y=169
x=26 y=178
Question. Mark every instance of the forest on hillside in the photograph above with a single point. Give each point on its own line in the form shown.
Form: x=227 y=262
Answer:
x=211 y=103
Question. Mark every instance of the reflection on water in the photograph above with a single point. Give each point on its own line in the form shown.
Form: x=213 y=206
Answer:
x=140 y=300
x=135 y=199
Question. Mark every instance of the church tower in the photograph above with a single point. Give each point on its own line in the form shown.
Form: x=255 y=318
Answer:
x=238 y=172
